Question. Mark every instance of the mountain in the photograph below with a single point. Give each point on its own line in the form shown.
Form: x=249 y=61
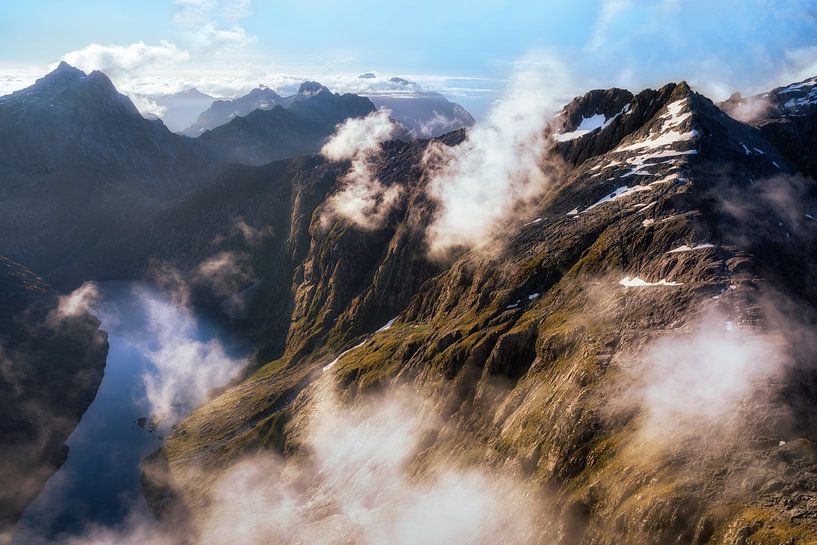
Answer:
x=302 y=127
x=786 y=116
x=222 y=111
x=70 y=120
x=633 y=350
x=657 y=217
x=425 y=114
x=180 y=110
x=77 y=152
x=51 y=366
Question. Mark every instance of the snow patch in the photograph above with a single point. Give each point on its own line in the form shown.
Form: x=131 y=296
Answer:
x=687 y=248
x=588 y=125
x=336 y=360
x=625 y=191
x=387 y=326
x=636 y=282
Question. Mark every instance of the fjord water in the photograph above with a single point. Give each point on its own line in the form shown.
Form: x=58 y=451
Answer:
x=99 y=483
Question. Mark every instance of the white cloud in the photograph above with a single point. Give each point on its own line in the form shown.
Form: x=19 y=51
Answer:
x=116 y=60
x=610 y=10
x=353 y=484
x=800 y=63
x=362 y=199
x=359 y=136
x=485 y=183
x=701 y=382
x=185 y=369
x=212 y=25
x=79 y=301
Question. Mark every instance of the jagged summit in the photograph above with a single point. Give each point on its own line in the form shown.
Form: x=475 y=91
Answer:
x=64 y=69
x=310 y=88
x=69 y=85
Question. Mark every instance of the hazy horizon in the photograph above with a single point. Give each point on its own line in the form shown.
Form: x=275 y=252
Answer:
x=227 y=47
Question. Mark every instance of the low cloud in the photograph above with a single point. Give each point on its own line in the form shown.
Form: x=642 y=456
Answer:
x=747 y=109
x=353 y=484
x=185 y=368
x=251 y=235
x=225 y=273
x=79 y=301
x=703 y=383
x=487 y=182
x=362 y=199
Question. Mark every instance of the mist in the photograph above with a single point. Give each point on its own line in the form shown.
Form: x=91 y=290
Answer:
x=708 y=381
x=185 y=369
x=352 y=483
x=493 y=178
x=362 y=199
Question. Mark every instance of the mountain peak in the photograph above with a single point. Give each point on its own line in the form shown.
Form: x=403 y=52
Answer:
x=64 y=72
x=311 y=88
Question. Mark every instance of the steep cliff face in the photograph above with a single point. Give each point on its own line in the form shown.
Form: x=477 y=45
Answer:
x=576 y=353
x=51 y=364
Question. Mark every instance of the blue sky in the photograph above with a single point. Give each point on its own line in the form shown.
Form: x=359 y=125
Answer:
x=467 y=50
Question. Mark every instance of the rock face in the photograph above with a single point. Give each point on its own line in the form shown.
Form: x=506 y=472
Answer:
x=50 y=368
x=660 y=217
x=786 y=116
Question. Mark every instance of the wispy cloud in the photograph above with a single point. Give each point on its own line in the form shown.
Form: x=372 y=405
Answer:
x=352 y=485
x=488 y=181
x=116 y=60
x=213 y=25
x=363 y=199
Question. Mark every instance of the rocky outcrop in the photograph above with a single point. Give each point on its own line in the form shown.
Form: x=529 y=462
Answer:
x=51 y=365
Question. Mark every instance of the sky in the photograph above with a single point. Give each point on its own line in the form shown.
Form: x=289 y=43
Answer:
x=467 y=50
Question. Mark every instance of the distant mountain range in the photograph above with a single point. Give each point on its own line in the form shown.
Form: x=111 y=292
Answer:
x=72 y=148
x=423 y=114
x=179 y=110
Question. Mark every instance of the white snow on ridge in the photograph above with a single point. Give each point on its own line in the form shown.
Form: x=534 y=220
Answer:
x=336 y=360
x=588 y=125
x=674 y=117
x=794 y=86
x=664 y=139
x=810 y=98
x=636 y=282
x=387 y=326
x=640 y=161
x=687 y=248
x=625 y=191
